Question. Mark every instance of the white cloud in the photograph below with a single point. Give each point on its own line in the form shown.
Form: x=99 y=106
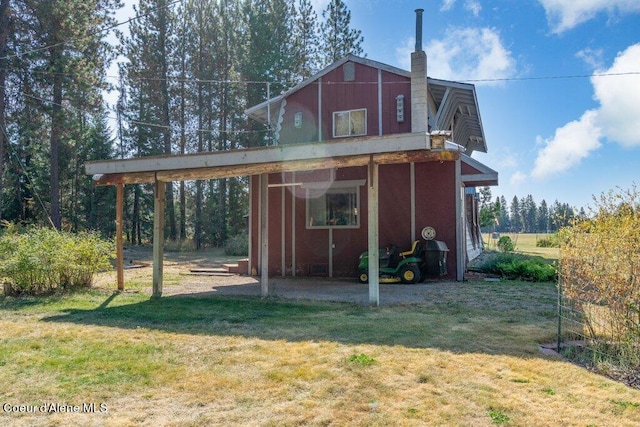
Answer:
x=518 y=178
x=570 y=144
x=473 y=6
x=447 y=5
x=619 y=97
x=563 y=15
x=319 y=5
x=591 y=57
x=470 y=53
x=617 y=118
x=403 y=53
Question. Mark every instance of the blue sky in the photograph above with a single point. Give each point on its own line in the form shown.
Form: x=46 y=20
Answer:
x=555 y=138
x=551 y=136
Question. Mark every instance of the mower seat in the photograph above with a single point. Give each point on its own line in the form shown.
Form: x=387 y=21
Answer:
x=416 y=250
x=388 y=257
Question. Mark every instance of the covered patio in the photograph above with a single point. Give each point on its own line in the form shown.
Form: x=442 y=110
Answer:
x=368 y=151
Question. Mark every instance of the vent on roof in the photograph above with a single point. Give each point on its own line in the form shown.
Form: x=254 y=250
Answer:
x=349 y=70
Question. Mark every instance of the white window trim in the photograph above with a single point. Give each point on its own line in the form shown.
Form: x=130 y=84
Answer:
x=333 y=124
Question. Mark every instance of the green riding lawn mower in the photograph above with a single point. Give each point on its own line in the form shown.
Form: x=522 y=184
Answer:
x=411 y=266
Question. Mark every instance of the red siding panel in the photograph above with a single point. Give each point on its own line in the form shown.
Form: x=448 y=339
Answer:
x=392 y=86
x=394 y=201
x=436 y=204
x=304 y=101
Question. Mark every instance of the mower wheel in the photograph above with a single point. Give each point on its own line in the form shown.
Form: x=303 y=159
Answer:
x=410 y=274
x=363 y=277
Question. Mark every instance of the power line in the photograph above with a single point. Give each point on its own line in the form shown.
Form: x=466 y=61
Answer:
x=294 y=82
x=148 y=124
x=570 y=76
x=90 y=33
x=24 y=172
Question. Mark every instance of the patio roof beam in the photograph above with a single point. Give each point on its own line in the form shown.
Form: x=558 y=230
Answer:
x=273 y=167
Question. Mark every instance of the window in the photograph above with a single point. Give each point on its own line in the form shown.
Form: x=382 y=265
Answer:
x=350 y=123
x=335 y=207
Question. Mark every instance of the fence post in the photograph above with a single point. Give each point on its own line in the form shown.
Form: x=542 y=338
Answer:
x=559 y=314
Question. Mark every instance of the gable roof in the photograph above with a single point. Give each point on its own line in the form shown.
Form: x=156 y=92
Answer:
x=454 y=101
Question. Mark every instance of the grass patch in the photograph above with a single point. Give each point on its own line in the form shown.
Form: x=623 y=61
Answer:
x=498 y=417
x=361 y=359
x=232 y=360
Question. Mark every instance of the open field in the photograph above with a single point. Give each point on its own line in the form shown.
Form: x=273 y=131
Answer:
x=524 y=243
x=467 y=356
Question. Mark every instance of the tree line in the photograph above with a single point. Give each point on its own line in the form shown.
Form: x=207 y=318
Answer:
x=524 y=215
x=187 y=70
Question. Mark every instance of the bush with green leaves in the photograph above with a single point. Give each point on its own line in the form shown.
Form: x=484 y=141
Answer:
x=42 y=261
x=553 y=241
x=517 y=266
x=505 y=244
x=237 y=246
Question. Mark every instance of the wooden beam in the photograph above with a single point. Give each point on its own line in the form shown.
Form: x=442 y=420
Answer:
x=158 y=237
x=276 y=167
x=238 y=159
x=119 y=227
x=264 y=235
x=121 y=178
x=372 y=234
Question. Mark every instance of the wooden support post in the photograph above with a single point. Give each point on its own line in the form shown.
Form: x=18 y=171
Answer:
x=158 y=237
x=264 y=234
x=119 y=227
x=374 y=256
x=460 y=220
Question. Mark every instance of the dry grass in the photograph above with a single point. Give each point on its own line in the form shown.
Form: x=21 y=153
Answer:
x=468 y=357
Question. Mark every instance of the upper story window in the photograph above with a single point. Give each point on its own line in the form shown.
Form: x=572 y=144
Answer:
x=350 y=123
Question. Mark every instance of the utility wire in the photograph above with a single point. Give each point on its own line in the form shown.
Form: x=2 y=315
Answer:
x=91 y=33
x=141 y=123
x=293 y=82
x=24 y=172
x=574 y=76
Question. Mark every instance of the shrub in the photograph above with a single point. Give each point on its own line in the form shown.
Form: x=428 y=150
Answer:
x=517 y=266
x=237 y=246
x=599 y=265
x=41 y=260
x=505 y=244
x=553 y=241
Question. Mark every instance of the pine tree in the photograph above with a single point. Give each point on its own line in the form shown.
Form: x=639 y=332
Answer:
x=338 y=39
x=307 y=41
x=528 y=212
x=543 y=217
x=64 y=57
x=515 y=217
x=149 y=50
x=503 y=216
x=4 y=50
x=268 y=56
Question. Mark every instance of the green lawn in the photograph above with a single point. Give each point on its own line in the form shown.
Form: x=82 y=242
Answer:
x=468 y=357
x=525 y=243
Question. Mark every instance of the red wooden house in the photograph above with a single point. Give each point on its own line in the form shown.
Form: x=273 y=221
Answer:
x=318 y=218
x=362 y=154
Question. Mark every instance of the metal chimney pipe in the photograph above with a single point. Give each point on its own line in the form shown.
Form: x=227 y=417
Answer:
x=419 y=30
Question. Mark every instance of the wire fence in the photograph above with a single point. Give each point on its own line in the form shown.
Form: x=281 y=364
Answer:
x=599 y=336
